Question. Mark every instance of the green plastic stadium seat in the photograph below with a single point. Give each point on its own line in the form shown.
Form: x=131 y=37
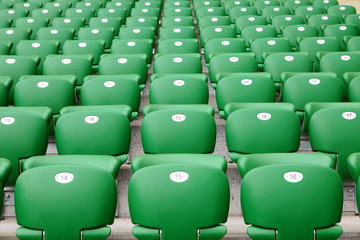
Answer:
x=244 y=21
x=143 y=22
x=235 y=3
x=266 y=45
x=172 y=4
x=5 y=22
x=41 y=2
x=5 y=85
x=244 y=87
x=231 y=63
x=218 y=46
x=70 y=2
x=353 y=163
x=213 y=32
x=112 y=64
x=62 y=6
x=201 y=4
x=107 y=163
x=33 y=23
x=39 y=188
x=5 y=170
x=302 y=88
x=271 y=12
x=174 y=77
x=177 y=32
x=39 y=48
x=339 y=62
x=273 y=214
x=27 y=6
x=313 y=45
x=178 y=46
x=179 y=89
x=145 y=12
x=277 y=63
x=109 y=22
x=148 y=160
x=74 y=22
x=273 y=130
x=148 y=4
x=93 y=47
x=239 y=11
x=77 y=65
x=112 y=89
x=5 y=47
x=181 y=216
x=177 y=12
x=54 y=92
x=342 y=122
x=14 y=35
x=112 y=12
x=94 y=33
x=261 y=4
x=27 y=137
x=137 y=33
x=57 y=34
x=135 y=46
x=293 y=4
x=354 y=87
x=251 y=33
x=178 y=63
x=341 y=10
x=167 y=131
x=296 y=31
x=353 y=19
x=340 y=31
x=209 y=11
x=15 y=67
x=13 y=14
x=92 y=5
x=282 y=21
x=93 y=132
x=85 y=13
x=320 y=20
x=353 y=44
x=120 y=4
x=325 y=3
x=43 y=13
x=307 y=11
x=213 y=21
x=249 y=162
x=177 y=21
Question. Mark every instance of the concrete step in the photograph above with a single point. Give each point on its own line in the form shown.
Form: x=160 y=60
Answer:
x=121 y=229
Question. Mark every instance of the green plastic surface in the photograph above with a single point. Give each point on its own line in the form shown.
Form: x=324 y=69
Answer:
x=339 y=62
x=307 y=11
x=251 y=161
x=186 y=32
x=332 y=131
x=340 y=31
x=29 y=234
x=181 y=130
x=201 y=76
x=273 y=11
x=213 y=21
x=75 y=23
x=283 y=21
x=213 y=32
x=93 y=47
x=137 y=33
x=107 y=163
x=106 y=133
x=101 y=33
x=258 y=233
x=15 y=36
x=253 y=32
x=354 y=87
x=330 y=233
x=147 y=160
x=134 y=46
x=178 y=63
x=122 y=109
x=55 y=34
x=217 y=46
x=33 y=22
x=172 y=21
x=179 y=209
x=319 y=20
x=239 y=11
x=144 y=233
x=37 y=192
x=247 y=132
x=245 y=87
x=179 y=90
x=5 y=85
x=25 y=137
x=243 y=21
x=295 y=31
x=178 y=46
x=111 y=64
x=262 y=45
x=294 y=209
x=106 y=22
x=85 y=13
x=198 y=107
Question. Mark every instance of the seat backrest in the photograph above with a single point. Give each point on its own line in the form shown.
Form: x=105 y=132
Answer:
x=213 y=32
x=238 y=11
x=293 y=199
x=178 y=46
x=187 y=32
x=39 y=189
x=178 y=63
x=97 y=33
x=307 y=11
x=92 y=47
x=340 y=31
x=179 y=208
x=261 y=130
x=25 y=135
x=173 y=21
x=223 y=45
x=336 y=130
x=133 y=46
x=263 y=45
x=282 y=21
x=340 y=62
x=245 y=21
x=254 y=32
x=295 y=31
x=178 y=131
x=323 y=19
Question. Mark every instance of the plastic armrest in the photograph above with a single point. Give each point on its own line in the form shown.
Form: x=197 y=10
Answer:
x=330 y=233
x=96 y=234
x=257 y=233
x=24 y=233
x=213 y=233
x=144 y=233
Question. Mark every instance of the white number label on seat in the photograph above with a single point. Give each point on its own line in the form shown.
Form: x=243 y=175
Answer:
x=246 y=82
x=349 y=115
x=179 y=176
x=64 y=177
x=293 y=177
x=109 y=84
x=178 y=117
x=42 y=84
x=7 y=120
x=264 y=116
x=314 y=81
x=179 y=83
x=91 y=119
